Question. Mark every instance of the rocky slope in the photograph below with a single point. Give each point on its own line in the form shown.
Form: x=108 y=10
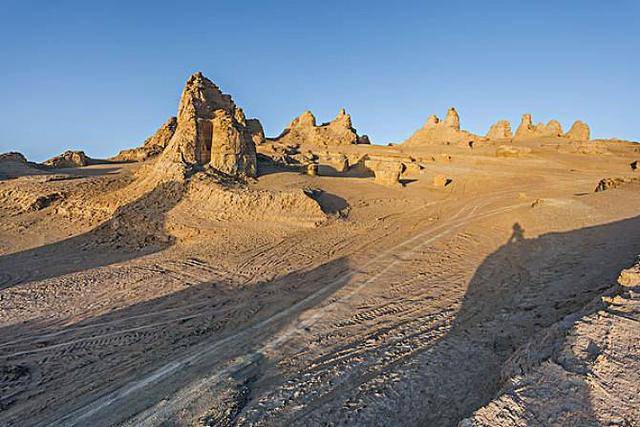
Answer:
x=582 y=370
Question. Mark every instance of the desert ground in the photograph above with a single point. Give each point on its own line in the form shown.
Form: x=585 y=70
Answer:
x=450 y=280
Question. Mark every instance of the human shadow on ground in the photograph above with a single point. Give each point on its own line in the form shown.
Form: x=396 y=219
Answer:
x=134 y=230
x=525 y=286
x=51 y=371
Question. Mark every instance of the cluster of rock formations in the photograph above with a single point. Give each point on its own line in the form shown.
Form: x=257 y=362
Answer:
x=448 y=131
x=579 y=130
x=304 y=130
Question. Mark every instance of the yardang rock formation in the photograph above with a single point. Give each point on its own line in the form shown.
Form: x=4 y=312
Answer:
x=304 y=130
x=445 y=131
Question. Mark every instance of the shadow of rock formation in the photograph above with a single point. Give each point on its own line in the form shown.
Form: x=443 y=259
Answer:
x=51 y=371
x=134 y=230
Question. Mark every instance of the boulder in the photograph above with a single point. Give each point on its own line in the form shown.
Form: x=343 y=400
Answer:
x=152 y=146
x=386 y=172
x=500 y=130
x=68 y=159
x=579 y=131
x=211 y=130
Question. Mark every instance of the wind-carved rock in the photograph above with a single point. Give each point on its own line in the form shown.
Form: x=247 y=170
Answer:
x=445 y=131
x=527 y=130
x=68 y=159
x=500 y=130
x=579 y=131
x=304 y=130
x=152 y=146
x=212 y=130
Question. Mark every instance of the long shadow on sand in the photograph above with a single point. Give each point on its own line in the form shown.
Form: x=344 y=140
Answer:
x=51 y=372
x=134 y=230
x=527 y=285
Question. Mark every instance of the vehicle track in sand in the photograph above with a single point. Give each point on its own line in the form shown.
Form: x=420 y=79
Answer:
x=389 y=258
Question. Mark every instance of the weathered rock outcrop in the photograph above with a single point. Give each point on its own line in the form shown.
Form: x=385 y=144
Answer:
x=211 y=130
x=256 y=131
x=500 y=130
x=152 y=146
x=68 y=159
x=579 y=131
x=582 y=370
x=528 y=130
x=304 y=130
x=446 y=131
x=386 y=172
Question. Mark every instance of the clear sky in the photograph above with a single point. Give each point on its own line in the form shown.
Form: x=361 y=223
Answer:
x=103 y=75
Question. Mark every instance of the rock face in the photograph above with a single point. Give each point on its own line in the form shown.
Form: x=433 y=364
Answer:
x=579 y=131
x=68 y=159
x=446 y=131
x=212 y=130
x=256 y=131
x=304 y=130
x=152 y=146
x=500 y=130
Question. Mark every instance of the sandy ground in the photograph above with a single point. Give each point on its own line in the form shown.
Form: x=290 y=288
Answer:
x=390 y=306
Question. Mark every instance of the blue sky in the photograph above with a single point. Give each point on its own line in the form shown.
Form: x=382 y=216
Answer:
x=102 y=76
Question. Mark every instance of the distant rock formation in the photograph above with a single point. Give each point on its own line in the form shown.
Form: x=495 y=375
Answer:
x=152 y=146
x=579 y=131
x=500 y=130
x=304 y=130
x=527 y=130
x=446 y=131
x=13 y=156
x=211 y=130
x=68 y=159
